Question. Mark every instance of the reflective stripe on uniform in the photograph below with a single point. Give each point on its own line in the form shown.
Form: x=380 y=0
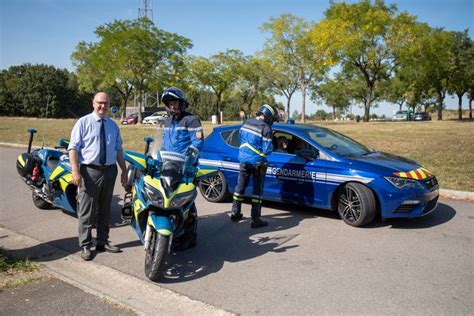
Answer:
x=251 y=131
x=238 y=198
x=253 y=149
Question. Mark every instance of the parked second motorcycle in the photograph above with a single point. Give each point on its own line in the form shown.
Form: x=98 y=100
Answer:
x=48 y=173
x=159 y=202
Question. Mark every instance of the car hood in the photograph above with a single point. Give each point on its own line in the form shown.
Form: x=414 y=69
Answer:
x=385 y=162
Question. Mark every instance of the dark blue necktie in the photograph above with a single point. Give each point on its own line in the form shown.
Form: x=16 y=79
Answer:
x=103 y=149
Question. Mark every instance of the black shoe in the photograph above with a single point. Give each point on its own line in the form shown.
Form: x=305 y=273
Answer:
x=86 y=253
x=258 y=223
x=107 y=247
x=235 y=217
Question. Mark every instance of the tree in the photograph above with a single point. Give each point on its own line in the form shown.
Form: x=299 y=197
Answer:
x=334 y=93
x=396 y=91
x=366 y=38
x=250 y=85
x=290 y=44
x=281 y=79
x=217 y=73
x=427 y=62
x=126 y=57
x=40 y=91
x=470 y=90
x=462 y=56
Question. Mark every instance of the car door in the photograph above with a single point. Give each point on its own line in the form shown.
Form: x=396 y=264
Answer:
x=292 y=178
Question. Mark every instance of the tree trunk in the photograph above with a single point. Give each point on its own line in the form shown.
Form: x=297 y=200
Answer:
x=470 y=108
x=439 y=99
x=333 y=113
x=368 y=101
x=288 y=101
x=218 y=113
x=460 y=107
x=303 y=103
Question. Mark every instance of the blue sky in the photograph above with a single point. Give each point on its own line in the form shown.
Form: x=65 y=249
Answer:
x=47 y=31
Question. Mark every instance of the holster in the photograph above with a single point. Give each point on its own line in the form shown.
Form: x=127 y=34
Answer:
x=261 y=168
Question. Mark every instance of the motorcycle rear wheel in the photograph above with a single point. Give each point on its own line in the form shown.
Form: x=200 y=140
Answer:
x=155 y=256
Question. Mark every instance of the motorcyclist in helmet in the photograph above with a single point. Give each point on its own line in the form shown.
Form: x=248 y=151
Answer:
x=183 y=134
x=255 y=146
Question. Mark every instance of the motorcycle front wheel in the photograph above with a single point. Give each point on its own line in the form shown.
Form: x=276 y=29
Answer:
x=155 y=256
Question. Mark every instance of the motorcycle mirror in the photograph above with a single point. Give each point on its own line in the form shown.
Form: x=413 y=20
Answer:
x=148 y=140
x=32 y=131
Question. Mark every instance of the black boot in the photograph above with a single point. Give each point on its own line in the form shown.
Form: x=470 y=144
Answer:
x=257 y=223
x=236 y=217
x=236 y=214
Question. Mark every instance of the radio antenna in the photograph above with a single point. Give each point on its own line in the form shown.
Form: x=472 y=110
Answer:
x=46 y=117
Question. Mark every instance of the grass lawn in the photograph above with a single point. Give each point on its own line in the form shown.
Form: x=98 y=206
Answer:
x=18 y=271
x=444 y=147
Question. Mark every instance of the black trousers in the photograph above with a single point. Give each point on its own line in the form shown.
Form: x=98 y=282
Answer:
x=95 y=197
x=257 y=173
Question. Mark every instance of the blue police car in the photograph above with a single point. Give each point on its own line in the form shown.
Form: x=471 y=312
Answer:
x=318 y=167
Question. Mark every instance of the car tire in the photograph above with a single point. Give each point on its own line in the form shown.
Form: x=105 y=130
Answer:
x=214 y=189
x=356 y=204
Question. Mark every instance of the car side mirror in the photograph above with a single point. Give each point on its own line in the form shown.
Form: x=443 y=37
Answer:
x=309 y=154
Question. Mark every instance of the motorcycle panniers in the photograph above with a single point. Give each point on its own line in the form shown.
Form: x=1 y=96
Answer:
x=25 y=164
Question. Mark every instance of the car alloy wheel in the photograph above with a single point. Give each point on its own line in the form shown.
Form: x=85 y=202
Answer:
x=356 y=204
x=349 y=205
x=214 y=189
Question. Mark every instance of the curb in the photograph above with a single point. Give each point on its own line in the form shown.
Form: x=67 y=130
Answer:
x=444 y=193
x=142 y=297
x=456 y=195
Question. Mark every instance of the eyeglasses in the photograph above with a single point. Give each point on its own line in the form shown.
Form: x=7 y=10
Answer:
x=105 y=103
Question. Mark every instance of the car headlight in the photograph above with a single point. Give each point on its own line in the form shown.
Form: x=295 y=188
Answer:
x=182 y=199
x=402 y=183
x=153 y=195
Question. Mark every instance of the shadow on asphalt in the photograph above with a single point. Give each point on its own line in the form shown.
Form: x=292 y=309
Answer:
x=44 y=252
x=442 y=214
x=220 y=240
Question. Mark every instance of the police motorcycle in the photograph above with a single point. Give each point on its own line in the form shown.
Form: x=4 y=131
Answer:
x=159 y=202
x=48 y=173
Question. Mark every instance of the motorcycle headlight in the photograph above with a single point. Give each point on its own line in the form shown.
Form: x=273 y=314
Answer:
x=182 y=199
x=402 y=183
x=153 y=195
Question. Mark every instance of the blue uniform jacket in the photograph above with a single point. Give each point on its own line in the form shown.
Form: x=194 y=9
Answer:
x=255 y=141
x=182 y=133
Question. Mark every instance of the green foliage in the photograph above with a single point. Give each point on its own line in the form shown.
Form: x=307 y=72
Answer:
x=365 y=37
x=426 y=62
x=129 y=55
x=217 y=74
x=279 y=78
x=41 y=91
x=334 y=93
x=462 y=62
x=290 y=44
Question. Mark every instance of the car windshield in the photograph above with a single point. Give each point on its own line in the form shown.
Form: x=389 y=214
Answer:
x=337 y=143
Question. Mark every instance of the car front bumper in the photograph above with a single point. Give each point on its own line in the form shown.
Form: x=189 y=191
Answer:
x=407 y=203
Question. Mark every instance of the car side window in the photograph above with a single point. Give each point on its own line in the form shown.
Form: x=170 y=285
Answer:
x=287 y=143
x=232 y=138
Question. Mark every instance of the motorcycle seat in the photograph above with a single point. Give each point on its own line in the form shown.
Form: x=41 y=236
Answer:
x=52 y=162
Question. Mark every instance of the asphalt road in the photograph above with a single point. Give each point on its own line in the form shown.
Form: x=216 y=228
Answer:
x=306 y=261
x=62 y=299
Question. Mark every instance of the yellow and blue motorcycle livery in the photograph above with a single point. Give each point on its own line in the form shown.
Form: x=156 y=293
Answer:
x=48 y=173
x=159 y=202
